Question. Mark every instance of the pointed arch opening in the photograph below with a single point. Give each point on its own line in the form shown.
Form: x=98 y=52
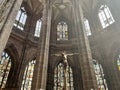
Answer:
x=63 y=77
x=100 y=76
x=105 y=16
x=21 y=19
x=38 y=28
x=118 y=62
x=5 y=66
x=87 y=27
x=28 y=75
x=62 y=31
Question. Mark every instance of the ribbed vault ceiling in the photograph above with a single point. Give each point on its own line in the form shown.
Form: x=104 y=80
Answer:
x=60 y=7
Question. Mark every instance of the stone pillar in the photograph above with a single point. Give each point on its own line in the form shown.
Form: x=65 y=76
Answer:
x=40 y=71
x=7 y=18
x=85 y=57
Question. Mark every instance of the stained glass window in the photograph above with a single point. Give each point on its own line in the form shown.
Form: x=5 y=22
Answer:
x=38 y=28
x=87 y=27
x=118 y=62
x=5 y=65
x=105 y=16
x=62 y=31
x=63 y=78
x=20 y=19
x=101 y=81
x=28 y=75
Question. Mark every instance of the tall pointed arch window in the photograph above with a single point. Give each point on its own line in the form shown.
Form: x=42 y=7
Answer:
x=62 y=31
x=87 y=27
x=28 y=75
x=63 y=78
x=5 y=65
x=20 y=19
x=101 y=81
x=118 y=62
x=38 y=28
x=105 y=16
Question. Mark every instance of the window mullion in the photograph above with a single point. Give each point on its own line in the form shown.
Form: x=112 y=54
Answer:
x=107 y=19
x=19 y=18
x=110 y=14
x=103 y=19
x=25 y=77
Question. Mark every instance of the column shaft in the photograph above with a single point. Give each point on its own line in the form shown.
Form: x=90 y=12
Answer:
x=88 y=75
x=40 y=72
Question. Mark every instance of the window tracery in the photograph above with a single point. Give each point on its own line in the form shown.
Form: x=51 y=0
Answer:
x=118 y=62
x=38 y=28
x=62 y=31
x=5 y=65
x=20 y=19
x=101 y=81
x=63 y=77
x=105 y=16
x=28 y=75
x=87 y=27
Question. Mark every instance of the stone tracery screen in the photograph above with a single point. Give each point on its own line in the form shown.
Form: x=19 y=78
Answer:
x=62 y=80
x=62 y=31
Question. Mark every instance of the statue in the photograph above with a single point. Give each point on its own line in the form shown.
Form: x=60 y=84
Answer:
x=65 y=63
x=65 y=66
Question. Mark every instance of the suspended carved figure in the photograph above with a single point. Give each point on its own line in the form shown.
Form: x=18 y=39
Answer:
x=63 y=75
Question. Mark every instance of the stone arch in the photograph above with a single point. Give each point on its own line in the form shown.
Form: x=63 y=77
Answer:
x=73 y=63
x=13 y=52
x=27 y=75
x=60 y=65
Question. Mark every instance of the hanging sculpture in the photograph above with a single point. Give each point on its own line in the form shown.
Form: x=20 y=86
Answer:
x=63 y=75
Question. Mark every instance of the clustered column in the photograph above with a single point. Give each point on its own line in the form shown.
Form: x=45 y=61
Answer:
x=40 y=71
x=85 y=58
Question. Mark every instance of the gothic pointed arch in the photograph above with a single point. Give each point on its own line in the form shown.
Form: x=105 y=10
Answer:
x=62 y=31
x=21 y=18
x=105 y=16
x=59 y=21
x=100 y=76
x=28 y=75
x=5 y=67
x=12 y=50
x=63 y=76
